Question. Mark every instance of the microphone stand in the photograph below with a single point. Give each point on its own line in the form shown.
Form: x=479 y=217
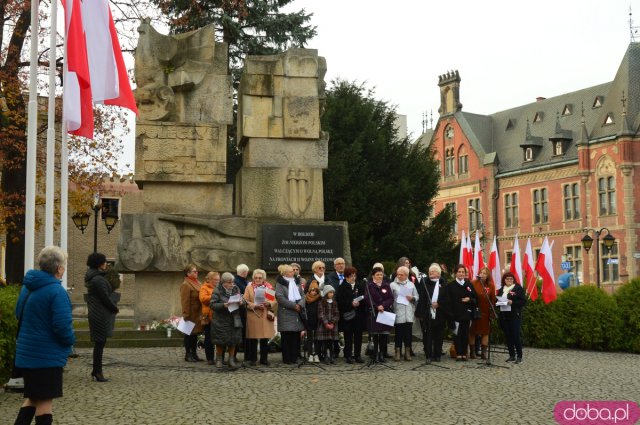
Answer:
x=373 y=361
x=305 y=355
x=492 y=309
x=427 y=359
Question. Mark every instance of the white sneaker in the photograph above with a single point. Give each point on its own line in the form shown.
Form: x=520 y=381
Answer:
x=316 y=359
x=310 y=359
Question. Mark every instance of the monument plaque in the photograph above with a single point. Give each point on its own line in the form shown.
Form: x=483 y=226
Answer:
x=302 y=244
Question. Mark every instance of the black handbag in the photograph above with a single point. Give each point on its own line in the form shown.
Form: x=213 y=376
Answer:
x=476 y=313
x=349 y=315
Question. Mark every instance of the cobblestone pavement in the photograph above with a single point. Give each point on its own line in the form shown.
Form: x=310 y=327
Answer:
x=155 y=386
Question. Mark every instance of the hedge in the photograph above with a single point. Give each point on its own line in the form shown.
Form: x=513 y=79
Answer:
x=8 y=327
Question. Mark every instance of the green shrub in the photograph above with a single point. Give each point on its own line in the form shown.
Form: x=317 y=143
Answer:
x=589 y=319
x=628 y=299
x=542 y=326
x=8 y=328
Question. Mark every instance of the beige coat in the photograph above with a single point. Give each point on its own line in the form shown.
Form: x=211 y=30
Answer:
x=258 y=325
x=191 y=306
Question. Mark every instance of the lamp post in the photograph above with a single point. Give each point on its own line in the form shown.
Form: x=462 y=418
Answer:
x=587 y=242
x=81 y=220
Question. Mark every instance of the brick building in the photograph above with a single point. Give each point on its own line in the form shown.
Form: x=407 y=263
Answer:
x=553 y=167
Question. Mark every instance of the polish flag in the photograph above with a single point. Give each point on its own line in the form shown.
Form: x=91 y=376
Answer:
x=529 y=272
x=78 y=108
x=544 y=267
x=516 y=261
x=463 y=247
x=494 y=264
x=109 y=78
x=468 y=256
x=478 y=261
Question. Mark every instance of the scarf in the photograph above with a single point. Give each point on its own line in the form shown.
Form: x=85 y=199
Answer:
x=318 y=279
x=294 y=293
x=309 y=297
x=436 y=291
x=195 y=284
x=507 y=289
x=460 y=282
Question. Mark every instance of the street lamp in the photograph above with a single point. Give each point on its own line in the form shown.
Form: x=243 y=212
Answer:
x=81 y=220
x=587 y=243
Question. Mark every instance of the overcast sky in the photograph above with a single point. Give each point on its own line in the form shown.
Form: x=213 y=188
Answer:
x=507 y=52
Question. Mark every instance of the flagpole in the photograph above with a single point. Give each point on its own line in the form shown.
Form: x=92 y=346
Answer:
x=51 y=129
x=32 y=122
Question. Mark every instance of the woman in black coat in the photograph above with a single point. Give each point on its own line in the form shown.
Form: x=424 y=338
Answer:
x=432 y=310
x=379 y=298
x=102 y=309
x=462 y=301
x=352 y=315
x=511 y=321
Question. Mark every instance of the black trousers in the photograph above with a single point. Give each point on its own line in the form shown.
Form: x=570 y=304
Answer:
x=190 y=343
x=251 y=349
x=511 y=329
x=290 y=344
x=312 y=346
x=352 y=343
x=432 y=332
x=403 y=334
x=98 y=349
x=208 y=346
x=462 y=338
x=380 y=342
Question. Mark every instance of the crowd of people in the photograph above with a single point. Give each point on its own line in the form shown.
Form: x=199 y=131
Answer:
x=242 y=313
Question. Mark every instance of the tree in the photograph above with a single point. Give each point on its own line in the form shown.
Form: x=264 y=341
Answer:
x=88 y=161
x=249 y=27
x=383 y=186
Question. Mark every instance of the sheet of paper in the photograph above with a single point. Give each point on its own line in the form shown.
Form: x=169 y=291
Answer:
x=259 y=295
x=234 y=303
x=185 y=326
x=402 y=299
x=386 y=318
x=503 y=303
x=234 y=298
x=358 y=299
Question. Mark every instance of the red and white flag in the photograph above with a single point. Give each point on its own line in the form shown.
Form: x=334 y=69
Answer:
x=463 y=249
x=478 y=260
x=494 y=264
x=529 y=272
x=109 y=78
x=516 y=261
x=78 y=107
x=468 y=256
x=544 y=267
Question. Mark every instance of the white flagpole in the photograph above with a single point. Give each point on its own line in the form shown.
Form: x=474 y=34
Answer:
x=51 y=129
x=32 y=122
x=64 y=190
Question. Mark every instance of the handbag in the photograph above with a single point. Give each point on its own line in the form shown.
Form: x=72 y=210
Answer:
x=476 y=313
x=349 y=315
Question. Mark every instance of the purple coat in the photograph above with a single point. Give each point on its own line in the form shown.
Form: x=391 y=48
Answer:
x=382 y=295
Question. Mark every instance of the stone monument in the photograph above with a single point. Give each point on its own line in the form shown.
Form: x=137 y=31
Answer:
x=185 y=100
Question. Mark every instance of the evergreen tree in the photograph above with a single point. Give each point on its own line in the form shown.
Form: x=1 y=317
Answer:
x=383 y=186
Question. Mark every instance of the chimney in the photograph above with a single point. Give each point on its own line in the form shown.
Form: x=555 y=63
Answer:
x=540 y=98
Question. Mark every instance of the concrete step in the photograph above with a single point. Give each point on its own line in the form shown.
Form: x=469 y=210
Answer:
x=128 y=338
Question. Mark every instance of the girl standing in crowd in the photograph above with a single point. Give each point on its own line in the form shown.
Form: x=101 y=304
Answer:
x=260 y=318
x=486 y=293
x=226 y=326
x=102 y=309
x=191 y=310
x=210 y=283
x=405 y=297
x=462 y=300
x=352 y=314
x=328 y=317
x=291 y=302
x=379 y=298
x=511 y=321
x=312 y=300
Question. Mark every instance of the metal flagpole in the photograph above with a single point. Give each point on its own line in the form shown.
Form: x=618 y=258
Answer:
x=64 y=164
x=51 y=129
x=30 y=198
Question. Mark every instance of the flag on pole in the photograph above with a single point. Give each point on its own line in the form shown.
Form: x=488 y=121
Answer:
x=463 y=249
x=529 y=272
x=478 y=261
x=544 y=267
x=110 y=82
x=494 y=264
x=516 y=261
x=468 y=256
x=78 y=107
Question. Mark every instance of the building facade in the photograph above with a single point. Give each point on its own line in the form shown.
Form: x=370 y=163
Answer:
x=555 y=167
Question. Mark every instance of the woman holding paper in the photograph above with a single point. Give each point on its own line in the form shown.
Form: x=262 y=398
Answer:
x=261 y=304
x=352 y=314
x=191 y=310
x=462 y=300
x=511 y=315
x=405 y=297
x=486 y=293
x=291 y=302
x=226 y=327
x=379 y=298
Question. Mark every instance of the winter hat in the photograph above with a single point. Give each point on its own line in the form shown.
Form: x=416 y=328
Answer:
x=327 y=289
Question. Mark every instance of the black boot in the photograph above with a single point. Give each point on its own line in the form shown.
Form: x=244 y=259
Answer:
x=25 y=415
x=44 y=419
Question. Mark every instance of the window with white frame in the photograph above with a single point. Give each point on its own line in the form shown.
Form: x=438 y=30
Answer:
x=607 y=195
x=571 y=196
x=511 y=209
x=540 y=206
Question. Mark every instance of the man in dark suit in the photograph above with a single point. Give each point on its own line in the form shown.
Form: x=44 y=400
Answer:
x=335 y=278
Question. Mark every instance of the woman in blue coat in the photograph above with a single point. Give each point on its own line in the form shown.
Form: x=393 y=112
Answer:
x=45 y=337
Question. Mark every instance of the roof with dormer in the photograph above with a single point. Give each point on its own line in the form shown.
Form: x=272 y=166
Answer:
x=609 y=110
